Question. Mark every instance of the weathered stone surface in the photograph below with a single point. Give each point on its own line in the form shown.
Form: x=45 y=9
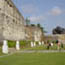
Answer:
x=33 y=33
x=11 y=22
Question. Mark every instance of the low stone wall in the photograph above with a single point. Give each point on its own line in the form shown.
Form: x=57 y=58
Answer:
x=55 y=37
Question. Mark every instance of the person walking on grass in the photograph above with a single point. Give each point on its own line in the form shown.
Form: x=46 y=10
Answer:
x=48 y=45
x=59 y=45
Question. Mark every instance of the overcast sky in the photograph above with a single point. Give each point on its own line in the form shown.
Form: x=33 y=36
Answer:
x=49 y=13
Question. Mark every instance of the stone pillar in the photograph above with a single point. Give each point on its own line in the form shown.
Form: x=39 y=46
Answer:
x=17 y=46
x=40 y=43
x=5 y=47
x=52 y=44
x=32 y=44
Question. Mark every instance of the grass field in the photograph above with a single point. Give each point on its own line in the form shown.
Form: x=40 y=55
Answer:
x=1 y=52
x=40 y=48
x=34 y=59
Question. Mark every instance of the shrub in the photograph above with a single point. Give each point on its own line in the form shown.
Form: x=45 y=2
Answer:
x=25 y=43
x=11 y=43
x=37 y=43
x=22 y=43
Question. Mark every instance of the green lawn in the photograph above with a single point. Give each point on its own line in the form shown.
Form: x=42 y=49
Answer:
x=1 y=52
x=34 y=59
x=42 y=47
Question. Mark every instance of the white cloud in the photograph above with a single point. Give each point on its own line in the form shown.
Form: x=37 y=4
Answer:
x=33 y=10
x=37 y=18
x=56 y=11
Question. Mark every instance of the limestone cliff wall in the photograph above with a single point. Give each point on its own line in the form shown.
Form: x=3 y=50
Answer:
x=11 y=21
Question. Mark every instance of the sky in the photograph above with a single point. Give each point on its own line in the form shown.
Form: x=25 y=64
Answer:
x=49 y=13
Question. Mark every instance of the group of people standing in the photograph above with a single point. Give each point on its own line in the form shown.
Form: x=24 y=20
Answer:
x=58 y=43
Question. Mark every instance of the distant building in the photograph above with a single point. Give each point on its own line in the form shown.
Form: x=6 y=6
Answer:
x=51 y=37
x=33 y=33
x=60 y=37
x=11 y=22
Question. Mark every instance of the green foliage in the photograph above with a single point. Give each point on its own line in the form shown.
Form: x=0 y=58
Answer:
x=22 y=43
x=28 y=43
x=38 y=25
x=27 y=21
x=0 y=51
x=42 y=28
x=27 y=46
x=11 y=43
x=33 y=25
x=36 y=48
x=54 y=47
x=37 y=43
x=25 y=43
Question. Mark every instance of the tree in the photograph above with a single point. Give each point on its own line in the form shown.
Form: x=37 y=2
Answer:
x=27 y=21
x=58 y=30
x=33 y=25
x=38 y=25
x=42 y=28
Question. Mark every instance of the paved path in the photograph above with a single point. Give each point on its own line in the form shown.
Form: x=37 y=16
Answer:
x=6 y=55
x=33 y=51
x=41 y=51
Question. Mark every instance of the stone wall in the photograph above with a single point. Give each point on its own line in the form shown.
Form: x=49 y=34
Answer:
x=11 y=22
x=60 y=37
x=33 y=33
